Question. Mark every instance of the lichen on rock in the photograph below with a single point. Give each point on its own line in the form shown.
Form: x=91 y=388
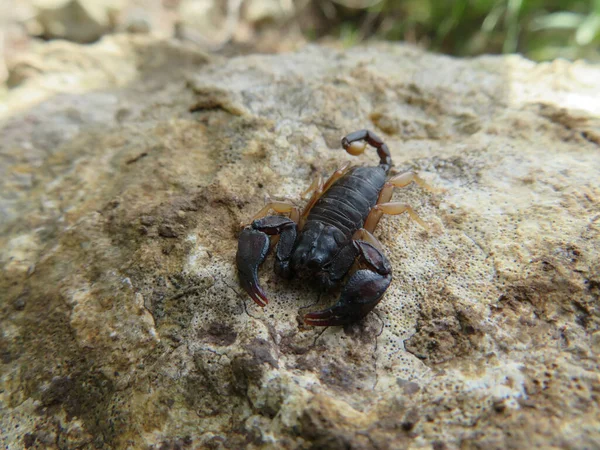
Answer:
x=127 y=167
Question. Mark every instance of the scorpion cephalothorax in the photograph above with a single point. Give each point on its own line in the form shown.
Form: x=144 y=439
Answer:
x=332 y=232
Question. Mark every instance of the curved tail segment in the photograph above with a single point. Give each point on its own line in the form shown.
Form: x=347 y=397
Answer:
x=353 y=145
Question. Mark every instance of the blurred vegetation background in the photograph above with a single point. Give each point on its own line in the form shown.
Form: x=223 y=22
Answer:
x=538 y=29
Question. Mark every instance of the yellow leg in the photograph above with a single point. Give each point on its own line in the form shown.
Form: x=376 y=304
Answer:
x=336 y=176
x=279 y=207
x=404 y=179
x=400 y=181
x=392 y=209
x=364 y=235
x=315 y=186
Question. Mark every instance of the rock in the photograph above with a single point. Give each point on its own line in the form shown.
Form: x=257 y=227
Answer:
x=127 y=166
x=207 y=21
x=260 y=11
x=81 y=21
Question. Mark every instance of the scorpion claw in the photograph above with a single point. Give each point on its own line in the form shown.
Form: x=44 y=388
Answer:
x=362 y=293
x=253 y=246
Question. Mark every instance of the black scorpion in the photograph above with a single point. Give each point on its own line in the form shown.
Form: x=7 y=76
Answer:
x=331 y=233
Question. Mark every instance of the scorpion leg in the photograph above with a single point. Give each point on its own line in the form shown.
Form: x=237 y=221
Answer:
x=365 y=235
x=253 y=247
x=280 y=207
x=383 y=203
x=393 y=209
x=404 y=179
x=316 y=185
x=362 y=292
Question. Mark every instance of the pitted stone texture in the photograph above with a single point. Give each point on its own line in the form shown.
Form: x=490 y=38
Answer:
x=127 y=167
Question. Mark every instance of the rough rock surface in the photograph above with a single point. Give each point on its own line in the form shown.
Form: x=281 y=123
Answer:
x=126 y=168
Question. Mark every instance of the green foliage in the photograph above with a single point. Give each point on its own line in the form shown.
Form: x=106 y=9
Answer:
x=539 y=29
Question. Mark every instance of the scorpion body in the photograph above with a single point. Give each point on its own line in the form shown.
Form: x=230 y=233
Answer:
x=349 y=201
x=332 y=232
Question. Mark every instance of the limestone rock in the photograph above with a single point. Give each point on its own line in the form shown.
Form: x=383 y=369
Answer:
x=126 y=168
x=76 y=20
x=258 y=11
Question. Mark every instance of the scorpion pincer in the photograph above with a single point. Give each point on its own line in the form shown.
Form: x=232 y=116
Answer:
x=331 y=233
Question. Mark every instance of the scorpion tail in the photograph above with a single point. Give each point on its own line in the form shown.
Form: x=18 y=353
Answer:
x=352 y=145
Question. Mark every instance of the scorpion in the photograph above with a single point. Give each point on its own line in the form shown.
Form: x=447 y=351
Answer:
x=332 y=235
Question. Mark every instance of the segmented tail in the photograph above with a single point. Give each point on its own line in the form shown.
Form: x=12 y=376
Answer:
x=352 y=145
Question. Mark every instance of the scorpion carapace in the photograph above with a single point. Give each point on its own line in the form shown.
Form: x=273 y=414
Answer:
x=331 y=232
